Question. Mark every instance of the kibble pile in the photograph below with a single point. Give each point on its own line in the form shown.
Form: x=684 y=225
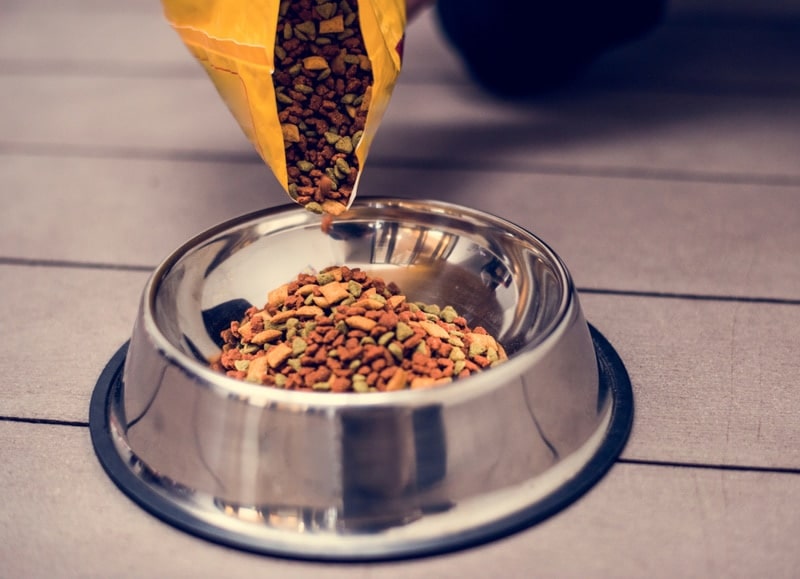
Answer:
x=344 y=331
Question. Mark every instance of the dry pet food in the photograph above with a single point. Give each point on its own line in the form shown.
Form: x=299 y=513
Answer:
x=344 y=331
x=307 y=80
x=323 y=85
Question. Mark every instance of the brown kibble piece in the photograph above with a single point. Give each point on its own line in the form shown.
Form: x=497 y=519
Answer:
x=256 y=369
x=277 y=355
x=397 y=381
x=291 y=134
x=278 y=295
x=334 y=292
x=434 y=329
x=332 y=25
x=360 y=323
x=315 y=63
x=309 y=311
x=265 y=336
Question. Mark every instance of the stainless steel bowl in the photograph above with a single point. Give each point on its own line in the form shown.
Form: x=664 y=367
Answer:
x=362 y=476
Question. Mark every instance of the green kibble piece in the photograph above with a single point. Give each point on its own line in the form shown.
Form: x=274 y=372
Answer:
x=322 y=41
x=413 y=307
x=476 y=349
x=342 y=165
x=347 y=301
x=325 y=278
x=355 y=365
x=308 y=328
x=458 y=366
x=345 y=7
x=333 y=353
x=354 y=288
x=457 y=354
x=423 y=349
x=397 y=350
x=287 y=31
x=292 y=322
x=448 y=314
x=360 y=385
x=280 y=52
x=331 y=137
x=338 y=174
x=346 y=34
x=351 y=58
x=341 y=327
x=283 y=98
x=491 y=355
x=431 y=309
x=292 y=190
x=403 y=331
x=295 y=69
x=358 y=100
x=344 y=145
x=242 y=365
x=298 y=346
x=324 y=74
x=348 y=98
x=250 y=349
x=303 y=88
x=290 y=333
x=284 y=7
x=356 y=138
x=321 y=386
x=314 y=207
x=366 y=340
x=305 y=166
x=294 y=363
x=301 y=35
x=280 y=380
x=432 y=317
x=326 y=10
x=308 y=28
x=349 y=19
x=384 y=338
x=379 y=298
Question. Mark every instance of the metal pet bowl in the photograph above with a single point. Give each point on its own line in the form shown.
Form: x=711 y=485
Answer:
x=362 y=476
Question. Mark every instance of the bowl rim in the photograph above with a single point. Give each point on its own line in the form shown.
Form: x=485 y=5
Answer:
x=478 y=384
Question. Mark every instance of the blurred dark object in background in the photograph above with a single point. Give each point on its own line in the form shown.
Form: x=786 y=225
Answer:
x=518 y=49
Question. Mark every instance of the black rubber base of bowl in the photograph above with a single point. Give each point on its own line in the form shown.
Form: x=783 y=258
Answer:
x=613 y=377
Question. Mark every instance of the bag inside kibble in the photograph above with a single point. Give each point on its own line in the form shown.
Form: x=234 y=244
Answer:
x=307 y=80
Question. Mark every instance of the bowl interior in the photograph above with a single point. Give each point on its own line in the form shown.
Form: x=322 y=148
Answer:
x=495 y=274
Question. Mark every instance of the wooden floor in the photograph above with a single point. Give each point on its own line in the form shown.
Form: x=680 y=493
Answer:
x=668 y=178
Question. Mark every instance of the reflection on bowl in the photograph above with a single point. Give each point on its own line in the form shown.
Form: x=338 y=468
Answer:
x=352 y=476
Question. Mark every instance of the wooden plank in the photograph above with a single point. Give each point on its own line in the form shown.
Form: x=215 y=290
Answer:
x=33 y=34
x=62 y=517
x=65 y=324
x=714 y=382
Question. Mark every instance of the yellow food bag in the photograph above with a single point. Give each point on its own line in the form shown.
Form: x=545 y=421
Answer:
x=307 y=80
